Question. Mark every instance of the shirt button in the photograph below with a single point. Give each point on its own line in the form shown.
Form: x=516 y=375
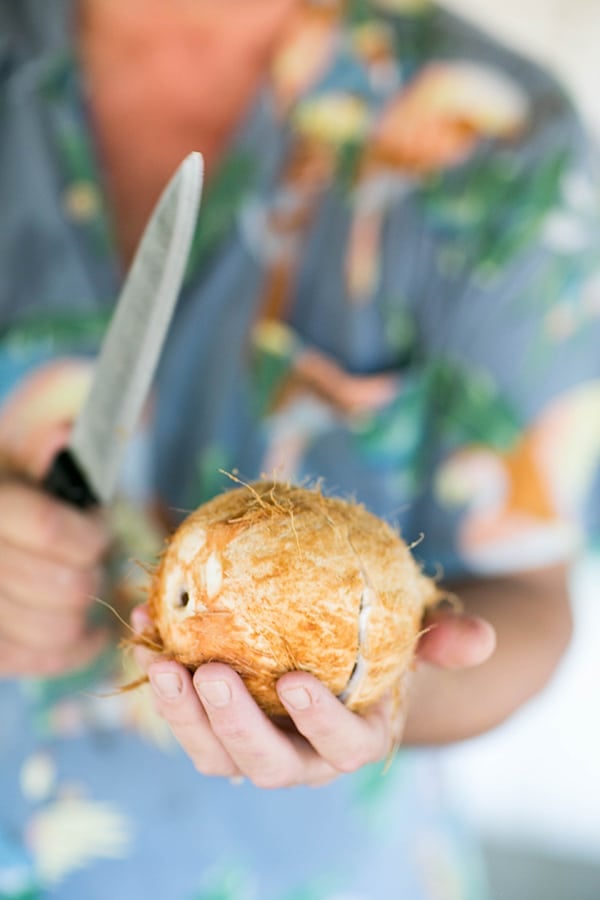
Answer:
x=81 y=201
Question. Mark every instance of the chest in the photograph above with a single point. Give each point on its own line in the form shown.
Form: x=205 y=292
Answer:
x=154 y=95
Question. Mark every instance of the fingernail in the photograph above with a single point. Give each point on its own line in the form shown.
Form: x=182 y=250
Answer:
x=216 y=693
x=167 y=684
x=297 y=698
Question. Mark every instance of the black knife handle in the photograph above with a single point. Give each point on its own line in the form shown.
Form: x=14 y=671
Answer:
x=66 y=481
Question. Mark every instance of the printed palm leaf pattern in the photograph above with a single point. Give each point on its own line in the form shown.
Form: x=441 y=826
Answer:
x=34 y=341
x=393 y=436
x=419 y=11
x=212 y=463
x=432 y=124
x=469 y=408
x=55 y=330
x=462 y=404
x=221 y=201
x=403 y=7
x=487 y=215
x=570 y=299
x=571 y=226
x=417 y=35
x=273 y=346
x=83 y=198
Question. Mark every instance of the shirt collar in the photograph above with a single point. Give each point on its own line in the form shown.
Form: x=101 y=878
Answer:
x=32 y=30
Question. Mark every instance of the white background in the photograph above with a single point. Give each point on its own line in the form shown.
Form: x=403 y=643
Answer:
x=536 y=779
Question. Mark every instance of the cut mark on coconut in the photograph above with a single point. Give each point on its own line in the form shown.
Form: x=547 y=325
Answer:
x=359 y=669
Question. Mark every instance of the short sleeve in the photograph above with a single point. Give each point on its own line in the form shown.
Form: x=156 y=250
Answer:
x=509 y=320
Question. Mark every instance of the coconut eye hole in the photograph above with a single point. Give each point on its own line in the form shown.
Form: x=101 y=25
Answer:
x=182 y=598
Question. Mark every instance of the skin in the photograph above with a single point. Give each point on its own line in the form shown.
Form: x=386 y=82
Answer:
x=471 y=674
x=50 y=570
x=234 y=40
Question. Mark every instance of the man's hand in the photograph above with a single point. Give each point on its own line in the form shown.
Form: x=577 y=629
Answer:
x=531 y=614
x=50 y=571
x=225 y=733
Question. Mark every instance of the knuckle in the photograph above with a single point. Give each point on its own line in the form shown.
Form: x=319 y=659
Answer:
x=231 y=731
x=54 y=664
x=70 y=630
x=11 y=493
x=62 y=636
x=173 y=711
x=162 y=710
x=79 y=587
x=48 y=519
x=320 y=727
x=95 y=545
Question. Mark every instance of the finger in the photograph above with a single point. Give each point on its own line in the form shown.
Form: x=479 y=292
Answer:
x=142 y=626
x=19 y=661
x=177 y=702
x=345 y=740
x=38 y=459
x=45 y=584
x=454 y=641
x=37 y=522
x=38 y=629
x=262 y=753
x=29 y=443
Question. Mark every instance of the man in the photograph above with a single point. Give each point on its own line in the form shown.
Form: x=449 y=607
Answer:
x=373 y=299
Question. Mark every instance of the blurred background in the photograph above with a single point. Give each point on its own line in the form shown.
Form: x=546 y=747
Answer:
x=532 y=787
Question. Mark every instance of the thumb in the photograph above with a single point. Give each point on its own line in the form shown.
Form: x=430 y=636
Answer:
x=456 y=641
x=36 y=417
x=39 y=459
x=33 y=456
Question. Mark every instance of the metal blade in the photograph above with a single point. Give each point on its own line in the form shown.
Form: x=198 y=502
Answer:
x=133 y=342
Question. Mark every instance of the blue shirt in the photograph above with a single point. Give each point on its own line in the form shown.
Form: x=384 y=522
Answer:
x=420 y=207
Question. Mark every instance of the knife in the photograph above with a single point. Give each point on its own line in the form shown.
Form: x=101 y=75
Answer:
x=86 y=472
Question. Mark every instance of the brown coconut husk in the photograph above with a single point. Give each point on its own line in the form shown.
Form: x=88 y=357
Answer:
x=271 y=578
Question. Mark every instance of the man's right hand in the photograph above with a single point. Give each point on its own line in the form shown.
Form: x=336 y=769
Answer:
x=50 y=571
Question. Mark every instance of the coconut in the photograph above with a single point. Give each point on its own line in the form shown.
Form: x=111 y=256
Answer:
x=271 y=578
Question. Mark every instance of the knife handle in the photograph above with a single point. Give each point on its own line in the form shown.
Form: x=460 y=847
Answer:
x=66 y=481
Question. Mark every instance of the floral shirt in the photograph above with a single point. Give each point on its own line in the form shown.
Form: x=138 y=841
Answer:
x=394 y=288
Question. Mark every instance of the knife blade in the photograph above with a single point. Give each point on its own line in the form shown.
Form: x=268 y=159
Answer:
x=85 y=473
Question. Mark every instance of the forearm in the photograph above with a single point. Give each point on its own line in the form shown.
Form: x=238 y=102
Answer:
x=532 y=618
